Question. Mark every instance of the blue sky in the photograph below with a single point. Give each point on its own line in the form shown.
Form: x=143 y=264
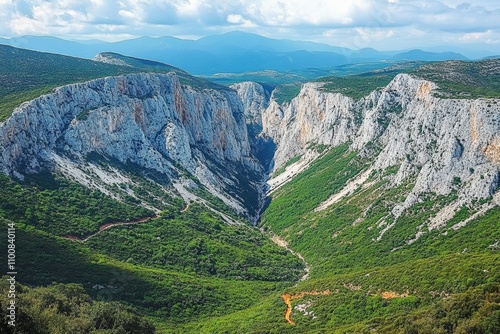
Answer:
x=382 y=24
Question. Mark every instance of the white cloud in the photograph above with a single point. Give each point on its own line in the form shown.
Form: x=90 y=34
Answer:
x=321 y=13
x=237 y=19
x=364 y=23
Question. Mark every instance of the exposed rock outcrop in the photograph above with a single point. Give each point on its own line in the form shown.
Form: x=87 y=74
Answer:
x=156 y=123
x=440 y=145
x=439 y=141
x=255 y=100
x=149 y=120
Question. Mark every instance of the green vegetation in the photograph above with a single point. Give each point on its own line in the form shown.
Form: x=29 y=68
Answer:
x=275 y=78
x=309 y=188
x=358 y=86
x=455 y=78
x=167 y=296
x=320 y=148
x=198 y=242
x=355 y=304
x=62 y=207
x=351 y=256
x=67 y=308
x=473 y=311
x=437 y=284
x=332 y=233
x=26 y=74
x=172 y=269
x=286 y=92
x=463 y=79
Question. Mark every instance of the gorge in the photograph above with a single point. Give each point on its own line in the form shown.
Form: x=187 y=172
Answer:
x=372 y=191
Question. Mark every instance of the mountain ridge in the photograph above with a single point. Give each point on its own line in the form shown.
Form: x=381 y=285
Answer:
x=230 y=52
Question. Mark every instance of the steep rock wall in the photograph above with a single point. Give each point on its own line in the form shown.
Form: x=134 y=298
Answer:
x=445 y=144
x=255 y=100
x=150 y=120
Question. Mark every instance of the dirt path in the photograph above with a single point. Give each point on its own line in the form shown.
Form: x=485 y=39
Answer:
x=282 y=243
x=186 y=208
x=108 y=226
x=287 y=298
x=288 y=312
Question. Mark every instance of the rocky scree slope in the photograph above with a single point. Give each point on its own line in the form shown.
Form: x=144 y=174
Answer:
x=149 y=121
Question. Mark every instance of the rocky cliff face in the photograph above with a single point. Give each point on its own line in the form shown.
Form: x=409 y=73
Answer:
x=440 y=140
x=158 y=124
x=149 y=120
x=255 y=100
x=439 y=145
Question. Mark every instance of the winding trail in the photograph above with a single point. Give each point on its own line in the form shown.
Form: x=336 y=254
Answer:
x=121 y=223
x=282 y=243
x=108 y=226
x=287 y=298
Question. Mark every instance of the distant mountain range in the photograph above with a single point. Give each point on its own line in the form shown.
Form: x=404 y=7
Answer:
x=234 y=52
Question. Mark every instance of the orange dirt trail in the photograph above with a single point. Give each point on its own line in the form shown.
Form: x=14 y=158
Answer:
x=186 y=208
x=108 y=226
x=287 y=298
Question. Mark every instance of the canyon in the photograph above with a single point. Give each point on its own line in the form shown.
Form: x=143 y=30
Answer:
x=156 y=123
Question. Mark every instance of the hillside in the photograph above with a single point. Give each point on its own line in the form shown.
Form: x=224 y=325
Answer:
x=391 y=197
x=455 y=79
x=354 y=204
x=27 y=74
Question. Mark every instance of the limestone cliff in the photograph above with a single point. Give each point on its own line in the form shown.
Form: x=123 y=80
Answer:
x=227 y=139
x=255 y=100
x=437 y=139
x=438 y=145
x=149 y=120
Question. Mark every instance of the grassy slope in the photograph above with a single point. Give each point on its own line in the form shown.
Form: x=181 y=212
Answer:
x=83 y=211
x=26 y=74
x=286 y=92
x=181 y=266
x=357 y=86
x=356 y=269
x=168 y=294
x=464 y=79
x=197 y=242
x=361 y=84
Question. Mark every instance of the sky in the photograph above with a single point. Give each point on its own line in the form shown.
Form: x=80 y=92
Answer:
x=356 y=24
